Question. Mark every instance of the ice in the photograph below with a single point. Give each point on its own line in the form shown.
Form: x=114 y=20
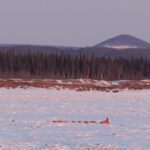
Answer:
x=26 y=119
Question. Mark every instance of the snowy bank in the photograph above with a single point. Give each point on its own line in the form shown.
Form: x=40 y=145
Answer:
x=77 y=84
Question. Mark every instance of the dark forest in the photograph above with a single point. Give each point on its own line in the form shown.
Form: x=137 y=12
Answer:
x=67 y=66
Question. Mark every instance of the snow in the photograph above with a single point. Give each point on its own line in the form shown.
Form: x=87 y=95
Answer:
x=95 y=82
x=121 y=46
x=26 y=119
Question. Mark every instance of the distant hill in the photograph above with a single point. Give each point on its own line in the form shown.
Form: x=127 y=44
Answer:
x=21 y=48
x=125 y=46
x=124 y=42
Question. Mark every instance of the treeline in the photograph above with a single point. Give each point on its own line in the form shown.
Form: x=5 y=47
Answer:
x=67 y=66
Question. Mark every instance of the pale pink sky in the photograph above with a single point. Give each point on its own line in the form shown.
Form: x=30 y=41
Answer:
x=72 y=22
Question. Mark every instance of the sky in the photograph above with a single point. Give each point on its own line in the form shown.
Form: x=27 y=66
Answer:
x=72 y=22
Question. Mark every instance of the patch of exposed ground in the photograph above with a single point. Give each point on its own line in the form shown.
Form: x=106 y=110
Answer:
x=78 y=84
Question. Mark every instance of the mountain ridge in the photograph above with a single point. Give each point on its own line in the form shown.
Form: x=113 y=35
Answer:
x=136 y=48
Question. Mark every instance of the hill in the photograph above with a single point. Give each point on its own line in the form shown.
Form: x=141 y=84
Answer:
x=124 y=42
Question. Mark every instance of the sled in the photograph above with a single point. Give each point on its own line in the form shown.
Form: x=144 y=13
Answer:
x=105 y=121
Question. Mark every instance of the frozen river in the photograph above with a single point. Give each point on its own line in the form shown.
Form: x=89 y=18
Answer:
x=26 y=115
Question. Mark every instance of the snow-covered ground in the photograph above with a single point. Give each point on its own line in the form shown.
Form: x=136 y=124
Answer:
x=26 y=115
